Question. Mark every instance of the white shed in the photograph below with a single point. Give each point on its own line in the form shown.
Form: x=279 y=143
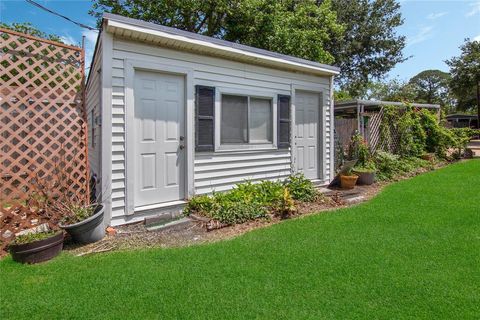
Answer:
x=173 y=114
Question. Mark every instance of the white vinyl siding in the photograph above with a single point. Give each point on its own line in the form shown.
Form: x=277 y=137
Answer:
x=94 y=115
x=220 y=170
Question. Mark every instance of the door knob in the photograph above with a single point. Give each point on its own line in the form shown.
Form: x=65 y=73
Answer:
x=182 y=147
x=182 y=138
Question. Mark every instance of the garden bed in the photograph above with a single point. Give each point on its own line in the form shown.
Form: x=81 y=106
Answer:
x=136 y=236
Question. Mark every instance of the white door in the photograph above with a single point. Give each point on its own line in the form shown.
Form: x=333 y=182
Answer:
x=307 y=108
x=159 y=138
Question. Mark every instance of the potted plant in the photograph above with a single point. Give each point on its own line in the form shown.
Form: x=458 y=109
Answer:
x=365 y=173
x=428 y=156
x=84 y=223
x=348 y=180
x=36 y=247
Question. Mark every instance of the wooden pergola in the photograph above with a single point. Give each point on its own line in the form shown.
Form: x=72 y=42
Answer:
x=364 y=116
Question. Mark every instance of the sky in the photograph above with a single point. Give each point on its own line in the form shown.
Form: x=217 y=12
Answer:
x=434 y=28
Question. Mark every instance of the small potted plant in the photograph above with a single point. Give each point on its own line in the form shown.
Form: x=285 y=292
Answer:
x=36 y=247
x=83 y=222
x=348 y=180
x=430 y=157
x=365 y=173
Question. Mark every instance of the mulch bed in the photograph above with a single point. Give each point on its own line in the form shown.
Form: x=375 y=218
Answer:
x=136 y=236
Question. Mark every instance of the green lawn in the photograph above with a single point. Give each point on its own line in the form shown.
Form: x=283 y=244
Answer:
x=412 y=252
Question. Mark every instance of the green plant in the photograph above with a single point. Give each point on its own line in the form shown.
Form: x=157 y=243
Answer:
x=390 y=166
x=349 y=173
x=367 y=167
x=73 y=211
x=247 y=201
x=33 y=237
x=301 y=188
x=411 y=133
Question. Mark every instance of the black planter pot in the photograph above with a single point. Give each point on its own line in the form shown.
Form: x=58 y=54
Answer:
x=89 y=230
x=37 y=251
x=365 y=178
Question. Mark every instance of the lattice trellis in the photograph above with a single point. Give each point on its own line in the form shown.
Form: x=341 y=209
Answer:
x=42 y=116
x=391 y=138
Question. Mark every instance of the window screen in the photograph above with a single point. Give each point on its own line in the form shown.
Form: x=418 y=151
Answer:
x=260 y=120
x=234 y=119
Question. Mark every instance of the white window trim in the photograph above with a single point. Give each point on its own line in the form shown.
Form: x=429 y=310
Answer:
x=219 y=147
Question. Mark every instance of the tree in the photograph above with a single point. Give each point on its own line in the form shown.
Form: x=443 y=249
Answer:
x=392 y=90
x=296 y=27
x=205 y=17
x=432 y=86
x=359 y=36
x=28 y=28
x=370 y=46
x=300 y=28
x=465 y=71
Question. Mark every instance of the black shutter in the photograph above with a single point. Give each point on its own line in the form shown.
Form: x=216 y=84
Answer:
x=204 y=118
x=283 y=126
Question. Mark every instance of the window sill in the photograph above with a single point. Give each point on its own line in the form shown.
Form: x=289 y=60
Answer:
x=245 y=148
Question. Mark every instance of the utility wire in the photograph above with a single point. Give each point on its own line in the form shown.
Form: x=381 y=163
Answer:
x=60 y=15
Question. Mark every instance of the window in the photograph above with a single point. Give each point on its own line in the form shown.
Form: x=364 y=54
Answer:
x=234 y=124
x=260 y=120
x=245 y=120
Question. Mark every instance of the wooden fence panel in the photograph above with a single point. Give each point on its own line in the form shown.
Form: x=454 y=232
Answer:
x=42 y=115
x=344 y=129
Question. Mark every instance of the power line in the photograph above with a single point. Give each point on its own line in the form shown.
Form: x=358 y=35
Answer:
x=60 y=15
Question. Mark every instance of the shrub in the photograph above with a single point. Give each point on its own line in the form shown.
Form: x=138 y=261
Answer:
x=301 y=188
x=412 y=134
x=390 y=166
x=33 y=237
x=247 y=201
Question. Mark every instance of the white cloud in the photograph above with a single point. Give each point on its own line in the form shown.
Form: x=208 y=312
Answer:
x=433 y=16
x=477 y=38
x=474 y=9
x=423 y=34
x=68 y=39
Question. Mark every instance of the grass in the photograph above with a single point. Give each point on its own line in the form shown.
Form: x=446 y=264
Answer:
x=412 y=252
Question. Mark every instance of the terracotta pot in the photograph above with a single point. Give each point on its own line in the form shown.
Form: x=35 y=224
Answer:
x=365 y=178
x=37 y=251
x=348 y=182
x=89 y=230
x=429 y=157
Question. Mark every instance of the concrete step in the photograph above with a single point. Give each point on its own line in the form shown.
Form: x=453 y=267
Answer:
x=175 y=224
x=162 y=218
x=474 y=143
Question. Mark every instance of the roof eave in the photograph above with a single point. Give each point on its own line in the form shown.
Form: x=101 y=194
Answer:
x=204 y=46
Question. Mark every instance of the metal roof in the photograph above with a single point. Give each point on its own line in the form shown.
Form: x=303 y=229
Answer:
x=354 y=103
x=459 y=115
x=202 y=43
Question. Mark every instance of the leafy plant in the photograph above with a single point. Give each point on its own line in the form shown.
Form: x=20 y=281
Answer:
x=247 y=201
x=74 y=212
x=33 y=237
x=390 y=166
x=301 y=188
